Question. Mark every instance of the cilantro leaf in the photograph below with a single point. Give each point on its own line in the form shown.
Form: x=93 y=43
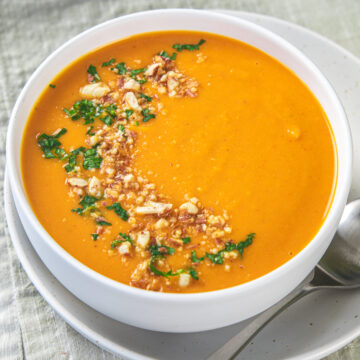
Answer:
x=72 y=159
x=60 y=154
x=88 y=204
x=147 y=115
x=165 y=55
x=216 y=258
x=108 y=63
x=190 y=47
x=243 y=244
x=121 y=127
x=121 y=68
x=158 y=272
x=161 y=250
x=107 y=120
x=91 y=159
x=94 y=236
x=194 y=258
x=92 y=71
x=186 y=240
x=103 y=223
x=119 y=211
x=111 y=110
x=52 y=86
x=89 y=131
x=193 y=273
x=128 y=113
x=117 y=242
x=49 y=144
x=85 y=109
x=126 y=238
x=146 y=97
x=137 y=71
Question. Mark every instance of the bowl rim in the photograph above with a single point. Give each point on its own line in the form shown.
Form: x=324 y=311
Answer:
x=339 y=196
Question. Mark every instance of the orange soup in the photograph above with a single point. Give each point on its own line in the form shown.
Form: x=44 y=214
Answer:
x=179 y=162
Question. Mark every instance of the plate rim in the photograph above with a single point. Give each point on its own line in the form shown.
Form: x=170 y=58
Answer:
x=95 y=337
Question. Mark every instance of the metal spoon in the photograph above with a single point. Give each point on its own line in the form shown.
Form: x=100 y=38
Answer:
x=339 y=268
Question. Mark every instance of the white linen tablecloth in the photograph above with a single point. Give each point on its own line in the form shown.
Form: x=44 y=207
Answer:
x=29 y=31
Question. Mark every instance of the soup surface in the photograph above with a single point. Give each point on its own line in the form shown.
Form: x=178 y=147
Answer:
x=179 y=162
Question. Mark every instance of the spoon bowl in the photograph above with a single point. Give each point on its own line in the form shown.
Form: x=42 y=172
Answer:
x=341 y=261
x=339 y=268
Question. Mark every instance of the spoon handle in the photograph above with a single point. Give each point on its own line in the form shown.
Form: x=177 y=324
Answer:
x=237 y=343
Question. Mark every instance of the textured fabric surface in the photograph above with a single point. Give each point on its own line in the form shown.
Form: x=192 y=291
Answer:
x=29 y=31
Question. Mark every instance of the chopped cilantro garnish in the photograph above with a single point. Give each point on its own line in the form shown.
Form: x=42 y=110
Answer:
x=89 y=111
x=108 y=63
x=117 y=242
x=68 y=168
x=218 y=258
x=147 y=115
x=136 y=123
x=85 y=109
x=146 y=97
x=60 y=154
x=103 y=223
x=111 y=110
x=49 y=144
x=89 y=131
x=52 y=86
x=193 y=273
x=91 y=159
x=194 y=258
x=190 y=47
x=185 y=240
x=92 y=71
x=72 y=159
x=167 y=56
x=107 y=120
x=156 y=271
x=121 y=127
x=94 y=236
x=119 y=211
x=161 y=250
x=126 y=238
x=136 y=72
x=121 y=68
x=88 y=205
x=128 y=113
x=140 y=81
x=243 y=244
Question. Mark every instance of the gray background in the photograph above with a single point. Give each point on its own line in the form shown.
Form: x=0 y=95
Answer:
x=29 y=32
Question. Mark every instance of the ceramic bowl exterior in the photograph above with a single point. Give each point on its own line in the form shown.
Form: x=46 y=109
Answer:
x=165 y=311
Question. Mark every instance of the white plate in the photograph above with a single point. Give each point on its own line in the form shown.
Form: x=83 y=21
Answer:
x=311 y=329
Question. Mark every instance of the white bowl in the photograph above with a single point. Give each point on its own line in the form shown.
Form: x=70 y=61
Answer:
x=165 y=311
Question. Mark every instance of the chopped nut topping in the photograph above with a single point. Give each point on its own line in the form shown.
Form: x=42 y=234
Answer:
x=95 y=188
x=77 y=182
x=132 y=101
x=131 y=84
x=152 y=207
x=143 y=239
x=96 y=90
x=156 y=227
x=189 y=207
x=184 y=280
